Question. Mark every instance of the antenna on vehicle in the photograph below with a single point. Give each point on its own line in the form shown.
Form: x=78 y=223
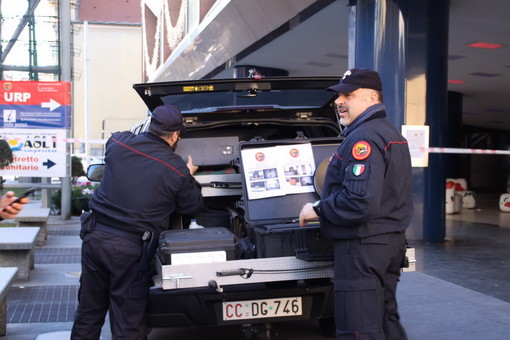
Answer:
x=251 y=93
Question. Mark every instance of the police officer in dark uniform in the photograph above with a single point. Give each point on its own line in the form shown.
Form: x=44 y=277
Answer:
x=144 y=182
x=366 y=206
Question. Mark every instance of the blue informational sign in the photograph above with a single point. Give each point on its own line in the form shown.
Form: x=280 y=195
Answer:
x=36 y=152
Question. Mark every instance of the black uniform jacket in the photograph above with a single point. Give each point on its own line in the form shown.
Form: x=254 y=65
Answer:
x=368 y=185
x=144 y=182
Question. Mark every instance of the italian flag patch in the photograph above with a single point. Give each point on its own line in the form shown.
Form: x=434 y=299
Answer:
x=358 y=169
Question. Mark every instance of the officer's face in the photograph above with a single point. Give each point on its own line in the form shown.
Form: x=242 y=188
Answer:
x=351 y=105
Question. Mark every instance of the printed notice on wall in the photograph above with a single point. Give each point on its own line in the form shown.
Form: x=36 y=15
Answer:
x=278 y=170
x=418 y=140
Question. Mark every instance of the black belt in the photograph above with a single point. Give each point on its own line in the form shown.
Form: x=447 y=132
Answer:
x=147 y=240
x=133 y=237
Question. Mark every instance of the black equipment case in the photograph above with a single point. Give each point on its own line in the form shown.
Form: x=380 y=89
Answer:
x=280 y=235
x=196 y=241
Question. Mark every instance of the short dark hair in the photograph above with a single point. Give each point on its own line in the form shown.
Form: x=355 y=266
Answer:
x=155 y=128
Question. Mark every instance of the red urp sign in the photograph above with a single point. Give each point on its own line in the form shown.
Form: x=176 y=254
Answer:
x=35 y=104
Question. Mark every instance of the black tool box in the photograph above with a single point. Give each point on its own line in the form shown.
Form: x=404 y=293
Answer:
x=195 y=241
x=274 y=221
x=277 y=240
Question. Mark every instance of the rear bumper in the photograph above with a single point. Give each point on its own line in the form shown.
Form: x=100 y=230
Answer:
x=203 y=306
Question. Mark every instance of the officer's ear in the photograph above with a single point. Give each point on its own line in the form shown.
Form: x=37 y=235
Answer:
x=177 y=135
x=174 y=137
x=373 y=95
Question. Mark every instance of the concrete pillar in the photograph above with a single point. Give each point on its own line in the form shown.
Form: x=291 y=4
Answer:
x=406 y=41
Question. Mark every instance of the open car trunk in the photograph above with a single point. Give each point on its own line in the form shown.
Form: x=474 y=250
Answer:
x=262 y=146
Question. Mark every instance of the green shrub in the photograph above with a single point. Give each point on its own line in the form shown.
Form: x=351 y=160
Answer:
x=80 y=196
x=76 y=169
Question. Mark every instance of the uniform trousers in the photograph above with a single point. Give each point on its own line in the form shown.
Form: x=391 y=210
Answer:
x=366 y=274
x=111 y=280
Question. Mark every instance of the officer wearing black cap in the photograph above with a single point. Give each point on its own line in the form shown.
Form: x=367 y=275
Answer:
x=144 y=182
x=366 y=206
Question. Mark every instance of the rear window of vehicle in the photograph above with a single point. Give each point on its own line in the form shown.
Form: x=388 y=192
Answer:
x=194 y=102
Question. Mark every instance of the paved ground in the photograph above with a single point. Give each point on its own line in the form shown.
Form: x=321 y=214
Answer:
x=461 y=290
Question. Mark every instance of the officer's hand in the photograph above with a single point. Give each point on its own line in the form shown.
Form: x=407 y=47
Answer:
x=192 y=168
x=307 y=213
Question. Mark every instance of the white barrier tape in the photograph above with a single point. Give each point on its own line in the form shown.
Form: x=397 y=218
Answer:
x=429 y=150
x=90 y=141
x=65 y=140
x=421 y=149
x=464 y=151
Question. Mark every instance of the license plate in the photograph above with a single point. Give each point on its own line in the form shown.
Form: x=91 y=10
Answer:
x=257 y=309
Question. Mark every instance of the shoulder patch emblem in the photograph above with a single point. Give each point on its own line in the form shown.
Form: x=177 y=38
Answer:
x=358 y=169
x=361 y=150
